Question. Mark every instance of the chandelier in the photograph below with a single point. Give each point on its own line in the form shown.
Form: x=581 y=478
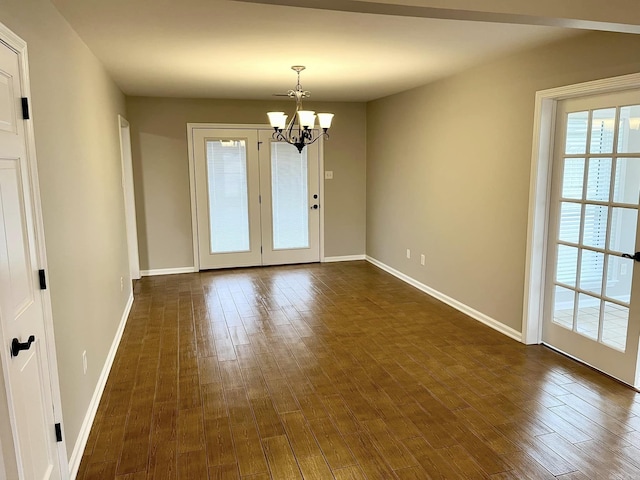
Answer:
x=302 y=134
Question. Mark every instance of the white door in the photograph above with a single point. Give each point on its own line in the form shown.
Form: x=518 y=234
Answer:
x=289 y=185
x=592 y=311
x=227 y=195
x=257 y=201
x=27 y=375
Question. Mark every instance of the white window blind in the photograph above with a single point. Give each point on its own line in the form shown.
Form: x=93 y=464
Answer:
x=289 y=197
x=584 y=223
x=228 y=202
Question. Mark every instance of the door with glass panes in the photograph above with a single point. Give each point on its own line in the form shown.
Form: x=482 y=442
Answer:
x=257 y=200
x=592 y=306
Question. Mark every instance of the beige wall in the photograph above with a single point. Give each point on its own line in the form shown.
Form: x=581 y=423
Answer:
x=448 y=169
x=161 y=170
x=75 y=107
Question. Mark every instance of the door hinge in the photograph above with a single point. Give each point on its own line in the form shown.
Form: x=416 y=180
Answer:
x=25 y=108
x=260 y=248
x=43 y=280
x=259 y=198
x=259 y=143
x=58 y=432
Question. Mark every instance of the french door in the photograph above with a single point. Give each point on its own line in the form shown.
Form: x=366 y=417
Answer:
x=592 y=307
x=257 y=200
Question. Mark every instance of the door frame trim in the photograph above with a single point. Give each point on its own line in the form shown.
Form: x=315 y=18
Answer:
x=540 y=191
x=192 y=179
x=126 y=161
x=20 y=47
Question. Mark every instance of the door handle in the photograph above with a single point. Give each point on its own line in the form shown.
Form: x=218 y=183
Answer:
x=635 y=256
x=17 y=346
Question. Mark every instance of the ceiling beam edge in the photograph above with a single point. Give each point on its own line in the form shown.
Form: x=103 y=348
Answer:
x=356 y=6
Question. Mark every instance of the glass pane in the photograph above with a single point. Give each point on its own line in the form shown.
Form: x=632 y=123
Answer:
x=573 y=178
x=627 y=182
x=619 y=277
x=289 y=197
x=567 y=265
x=588 y=316
x=614 y=326
x=570 y=222
x=623 y=230
x=629 y=134
x=595 y=226
x=591 y=271
x=599 y=181
x=602 y=130
x=577 y=126
x=228 y=205
x=563 y=307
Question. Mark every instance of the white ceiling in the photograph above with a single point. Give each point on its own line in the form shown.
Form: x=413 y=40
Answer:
x=244 y=50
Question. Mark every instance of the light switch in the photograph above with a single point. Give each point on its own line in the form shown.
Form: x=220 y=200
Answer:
x=328 y=175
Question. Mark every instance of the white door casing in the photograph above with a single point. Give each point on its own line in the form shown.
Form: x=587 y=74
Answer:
x=251 y=148
x=540 y=194
x=129 y=197
x=30 y=377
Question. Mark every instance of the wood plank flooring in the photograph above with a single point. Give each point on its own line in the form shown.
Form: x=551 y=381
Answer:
x=342 y=371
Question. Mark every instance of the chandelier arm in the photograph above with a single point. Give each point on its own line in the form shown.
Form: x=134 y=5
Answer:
x=315 y=139
x=292 y=121
x=307 y=138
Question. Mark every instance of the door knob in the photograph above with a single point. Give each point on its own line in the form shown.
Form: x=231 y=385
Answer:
x=17 y=346
x=314 y=207
x=635 y=256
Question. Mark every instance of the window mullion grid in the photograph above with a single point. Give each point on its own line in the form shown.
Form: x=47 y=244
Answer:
x=587 y=292
x=600 y=203
x=585 y=176
x=605 y=265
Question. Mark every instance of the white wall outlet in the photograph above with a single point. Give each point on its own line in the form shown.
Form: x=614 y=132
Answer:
x=408 y=253
x=328 y=175
x=422 y=259
x=84 y=362
x=121 y=284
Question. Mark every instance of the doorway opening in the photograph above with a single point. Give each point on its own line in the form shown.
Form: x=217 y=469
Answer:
x=583 y=216
x=255 y=201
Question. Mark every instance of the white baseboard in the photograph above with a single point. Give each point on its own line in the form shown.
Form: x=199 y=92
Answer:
x=461 y=307
x=166 y=271
x=344 y=258
x=83 y=436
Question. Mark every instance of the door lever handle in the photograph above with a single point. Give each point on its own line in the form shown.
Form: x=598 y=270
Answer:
x=635 y=256
x=17 y=346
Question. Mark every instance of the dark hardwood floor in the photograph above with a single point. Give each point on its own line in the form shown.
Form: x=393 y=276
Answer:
x=342 y=371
